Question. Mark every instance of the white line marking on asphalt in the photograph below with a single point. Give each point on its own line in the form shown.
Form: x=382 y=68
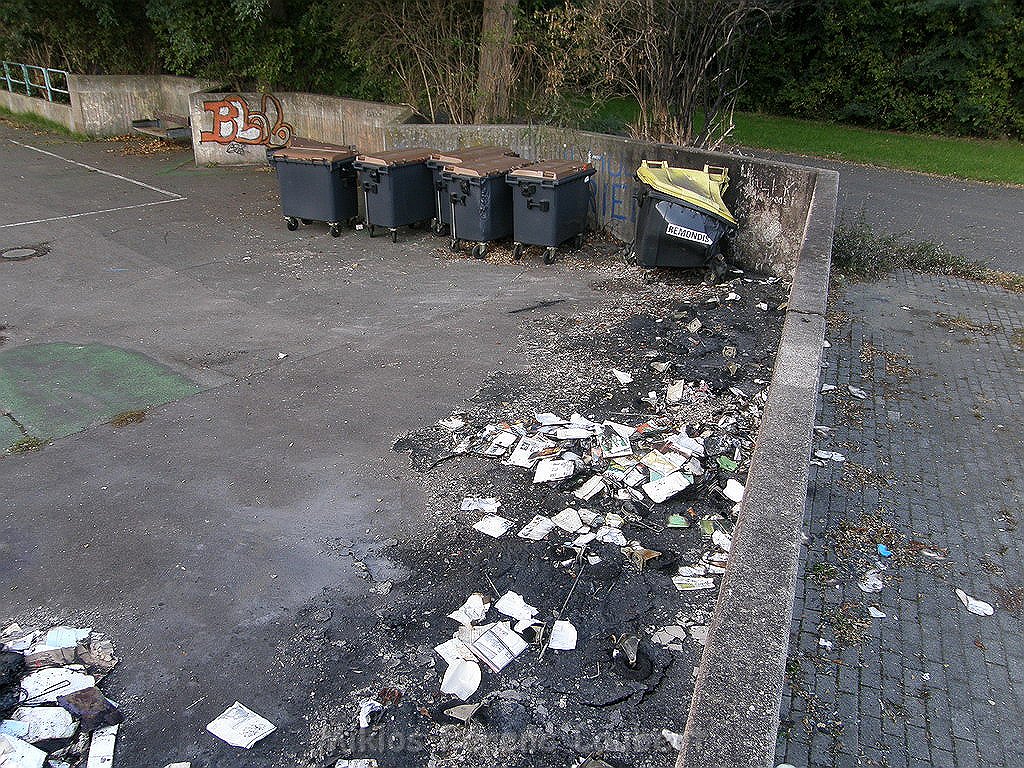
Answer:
x=97 y=170
x=93 y=213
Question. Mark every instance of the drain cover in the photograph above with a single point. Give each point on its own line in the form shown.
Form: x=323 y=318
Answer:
x=20 y=254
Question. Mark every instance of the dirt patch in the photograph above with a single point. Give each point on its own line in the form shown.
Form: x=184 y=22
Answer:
x=125 y=418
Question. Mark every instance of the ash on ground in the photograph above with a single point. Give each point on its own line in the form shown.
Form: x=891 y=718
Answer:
x=647 y=405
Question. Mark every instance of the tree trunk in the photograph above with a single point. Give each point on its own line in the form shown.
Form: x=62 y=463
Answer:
x=494 y=75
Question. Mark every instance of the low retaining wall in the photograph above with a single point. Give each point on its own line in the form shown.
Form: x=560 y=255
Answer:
x=236 y=128
x=30 y=105
x=105 y=105
x=770 y=199
x=734 y=713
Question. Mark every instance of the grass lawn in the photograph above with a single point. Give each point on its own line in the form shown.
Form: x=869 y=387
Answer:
x=996 y=161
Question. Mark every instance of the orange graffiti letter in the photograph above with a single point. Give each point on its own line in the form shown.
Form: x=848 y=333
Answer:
x=225 y=115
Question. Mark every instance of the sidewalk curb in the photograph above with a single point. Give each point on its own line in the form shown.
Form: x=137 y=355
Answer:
x=734 y=713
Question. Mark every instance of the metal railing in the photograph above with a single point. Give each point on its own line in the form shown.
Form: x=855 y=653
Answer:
x=41 y=82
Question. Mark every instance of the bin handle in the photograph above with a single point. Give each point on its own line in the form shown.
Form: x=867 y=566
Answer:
x=543 y=204
x=369 y=186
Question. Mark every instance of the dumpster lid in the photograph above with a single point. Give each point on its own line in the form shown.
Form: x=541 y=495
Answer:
x=313 y=155
x=398 y=156
x=486 y=166
x=552 y=169
x=458 y=156
x=701 y=189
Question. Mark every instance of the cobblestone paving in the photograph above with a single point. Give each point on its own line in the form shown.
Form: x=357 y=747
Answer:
x=934 y=466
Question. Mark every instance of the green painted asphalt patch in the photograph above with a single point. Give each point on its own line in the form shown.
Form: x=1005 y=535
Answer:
x=54 y=390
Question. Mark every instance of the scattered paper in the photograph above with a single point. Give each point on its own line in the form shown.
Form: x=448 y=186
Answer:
x=493 y=525
x=733 y=490
x=667 y=487
x=549 y=470
x=563 y=636
x=590 y=489
x=477 y=504
x=16 y=753
x=675 y=740
x=875 y=613
x=454 y=650
x=975 y=606
x=692 y=583
x=623 y=377
x=829 y=455
x=498 y=646
x=857 y=392
x=238 y=725
x=871 y=583
x=44 y=685
x=528 y=450
x=461 y=679
x=45 y=723
x=367 y=709
x=610 y=535
x=512 y=604
x=101 y=746
x=569 y=520
x=473 y=610
x=537 y=528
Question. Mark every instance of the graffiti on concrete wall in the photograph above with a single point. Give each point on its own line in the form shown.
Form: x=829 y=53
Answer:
x=235 y=123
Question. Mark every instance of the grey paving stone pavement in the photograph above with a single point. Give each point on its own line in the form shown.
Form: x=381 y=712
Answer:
x=933 y=470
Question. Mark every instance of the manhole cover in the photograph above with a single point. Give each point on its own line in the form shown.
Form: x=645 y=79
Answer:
x=20 y=254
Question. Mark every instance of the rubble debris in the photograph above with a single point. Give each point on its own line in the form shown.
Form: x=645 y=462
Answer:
x=368 y=710
x=829 y=456
x=857 y=392
x=733 y=490
x=488 y=506
x=239 y=726
x=975 y=606
x=875 y=613
x=623 y=377
x=474 y=609
x=357 y=762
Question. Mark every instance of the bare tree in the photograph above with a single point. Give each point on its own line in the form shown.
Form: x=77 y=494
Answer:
x=432 y=48
x=679 y=59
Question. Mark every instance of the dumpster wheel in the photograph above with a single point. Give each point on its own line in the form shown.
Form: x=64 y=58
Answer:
x=517 y=251
x=480 y=250
x=549 y=255
x=292 y=223
x=335 y=229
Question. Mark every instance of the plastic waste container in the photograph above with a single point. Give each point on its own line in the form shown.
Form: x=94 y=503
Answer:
x=550 y=202
x=682 y=220
x=397 y=187
x=480 y=200
x=437 y=163
x=316 y=185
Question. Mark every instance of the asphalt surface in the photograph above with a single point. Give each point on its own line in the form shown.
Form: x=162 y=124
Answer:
x=193 y=537
x=979 y=220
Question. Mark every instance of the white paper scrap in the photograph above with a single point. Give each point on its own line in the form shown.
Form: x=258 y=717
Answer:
x=536 y=529
x=473 y=610
x=512 y=604
x=239 y=726
x=590 y=489
x=569 y=520
x=733 y=490
x=46 y=723
x=454 y=650
x=549 y=470
x=563 y=636
x=975 y=606
x=487 y=505
x=19 y=754
x=45 y=685
x=667 y=487
x=623 y=377
x=692 y=583
x=101 y=747
x=528 y=450
x=498 y=646
x=461 y=679
x=610 y=535
x=493 y=525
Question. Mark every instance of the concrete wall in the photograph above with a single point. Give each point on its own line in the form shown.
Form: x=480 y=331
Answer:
x=234 y=128
x=770 y=199
x=15 y=102
x=105 y=105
